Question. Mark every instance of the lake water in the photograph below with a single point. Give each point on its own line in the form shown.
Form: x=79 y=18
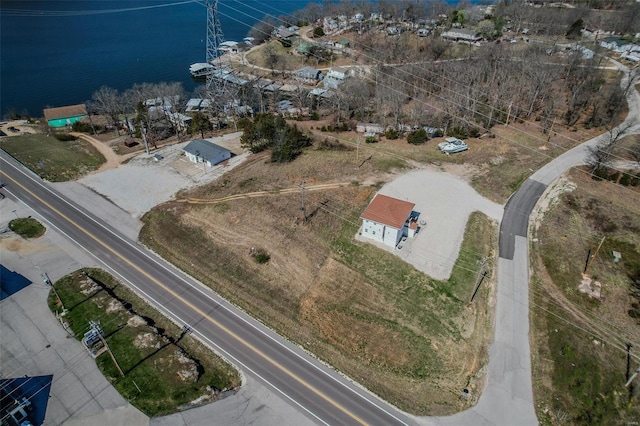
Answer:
x=55 y=53
x=59 y=52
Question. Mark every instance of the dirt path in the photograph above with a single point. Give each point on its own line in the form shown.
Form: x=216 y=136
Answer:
x=113 y=159
x=263 y=193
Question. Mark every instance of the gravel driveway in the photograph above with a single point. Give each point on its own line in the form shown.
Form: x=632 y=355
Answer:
x=145 y=182
x=445 y=203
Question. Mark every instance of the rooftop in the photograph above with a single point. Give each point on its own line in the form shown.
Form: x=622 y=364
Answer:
x=388 y=211
x=204 y=149
x=65 y=112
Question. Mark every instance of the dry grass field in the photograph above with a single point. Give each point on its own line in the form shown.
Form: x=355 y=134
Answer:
x=579 y=343
x=408 y=338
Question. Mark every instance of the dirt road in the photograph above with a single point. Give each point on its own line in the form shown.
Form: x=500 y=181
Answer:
x=113 y=159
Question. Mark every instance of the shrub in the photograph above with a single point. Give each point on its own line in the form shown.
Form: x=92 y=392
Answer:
x=315 y=116
x=332 y=145
x=417 y=137
x=458 y=132
x=371 y=139
x=259 y=255
x=64 y=137
x=318 y=32
x=27 y=227
x=392 y=134
x=83 y=127
x=243 y=122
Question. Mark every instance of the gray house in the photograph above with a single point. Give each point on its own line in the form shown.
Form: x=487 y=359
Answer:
x=202 y=151
x=308 y=74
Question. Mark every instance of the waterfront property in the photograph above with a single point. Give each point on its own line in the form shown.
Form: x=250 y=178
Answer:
x=65 y=116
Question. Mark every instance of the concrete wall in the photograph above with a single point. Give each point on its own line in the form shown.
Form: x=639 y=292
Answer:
x=211 y=161
x=381 y=233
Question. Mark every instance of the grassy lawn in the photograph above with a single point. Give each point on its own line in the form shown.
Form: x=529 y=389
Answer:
x=361 y=309
x=579 y=343
x=165 y=369
x=27 y=227
x=53 y=160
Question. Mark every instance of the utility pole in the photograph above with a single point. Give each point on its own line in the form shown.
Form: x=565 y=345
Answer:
x=304 y=209
x=47 y=282
x=632 y=377
x=544 y=147
x=484 y=275
x=144 y=138
x=95 y=326
x=508 y=114
x=590 y=260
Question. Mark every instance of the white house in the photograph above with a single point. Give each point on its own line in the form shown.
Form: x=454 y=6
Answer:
x=461 y=34
x=229 y=46
x=202 y=151
x=335 y=77
x=386 y=220
x=369 y=128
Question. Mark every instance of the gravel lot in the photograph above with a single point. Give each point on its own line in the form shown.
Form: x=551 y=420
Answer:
x=445 y=203
x=143 y=182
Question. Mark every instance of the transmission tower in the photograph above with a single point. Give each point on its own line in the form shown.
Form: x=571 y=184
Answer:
x=217 y=91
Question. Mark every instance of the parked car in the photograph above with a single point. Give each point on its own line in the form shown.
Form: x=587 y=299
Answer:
x=452 y=145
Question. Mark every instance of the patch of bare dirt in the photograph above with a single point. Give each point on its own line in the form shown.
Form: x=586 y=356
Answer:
x=136 y=321
x=114 y=306
x=146 y=340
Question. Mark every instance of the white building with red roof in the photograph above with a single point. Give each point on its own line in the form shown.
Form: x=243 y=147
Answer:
x=387 y=220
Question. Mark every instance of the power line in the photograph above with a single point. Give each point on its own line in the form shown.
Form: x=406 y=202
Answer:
x=437 y=96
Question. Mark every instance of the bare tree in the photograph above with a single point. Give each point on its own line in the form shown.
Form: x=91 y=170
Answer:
x=108 y=102
x=600 y=154
x=357 y=95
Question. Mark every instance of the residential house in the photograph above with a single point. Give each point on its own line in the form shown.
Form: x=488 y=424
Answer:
x=461 y=34
x=65 y=116
x=229 y=47
x=335 y=77
x=285 y=34
x=387 y=220
x=308 y=74
x=374 y=128
x=195 y=105
x=203 y=151
x=612 y=43
x=304 y=49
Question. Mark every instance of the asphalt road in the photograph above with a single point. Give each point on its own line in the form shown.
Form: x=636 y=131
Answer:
x=322 y=394
x=516 y=216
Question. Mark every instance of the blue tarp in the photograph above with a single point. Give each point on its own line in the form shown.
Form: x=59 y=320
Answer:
x=11 y=282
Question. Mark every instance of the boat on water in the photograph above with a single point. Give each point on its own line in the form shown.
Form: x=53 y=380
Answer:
x=201 y=69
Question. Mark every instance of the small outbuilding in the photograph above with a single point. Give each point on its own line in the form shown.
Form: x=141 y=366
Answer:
x=65 y=116
x=387 y=220
x=203 y=151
